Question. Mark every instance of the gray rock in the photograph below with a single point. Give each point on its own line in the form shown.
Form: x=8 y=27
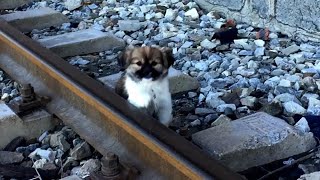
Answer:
x=210 y=117
x=201 y=65
x=291 y=108
x=81 y=151
x=72 y=177
x=213 y=100
x=187 y=44
x=245 y=53
x=249 y=101
x=286 y=97
x=302 y=125
x=73 y=4
x=252 y=141
x=7 y=157
x=59 y=140
x=291 y=49
x=78 y=61
x=314 y=107
x=192 y=94
x=70 y=162
x=305 y=97
x=309 y=84
x=196 y=122
x=203 y=111
x=222 y=119
x=129 y=25
x=254 y=82
x=273 y=108
x=90 y=166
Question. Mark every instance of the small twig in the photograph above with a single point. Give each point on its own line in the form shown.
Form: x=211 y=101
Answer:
x=39 y=176
x=311 y=153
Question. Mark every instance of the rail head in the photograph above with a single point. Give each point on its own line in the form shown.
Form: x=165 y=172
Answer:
x=185 y=157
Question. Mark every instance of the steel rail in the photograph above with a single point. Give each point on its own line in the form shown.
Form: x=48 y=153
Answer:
x=101 y=117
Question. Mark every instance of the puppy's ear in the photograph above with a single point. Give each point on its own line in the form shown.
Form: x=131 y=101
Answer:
x=167 y=52
x=124 y=59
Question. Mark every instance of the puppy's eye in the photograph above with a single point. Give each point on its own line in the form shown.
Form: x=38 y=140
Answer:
x=139 y=63
x=154 y=63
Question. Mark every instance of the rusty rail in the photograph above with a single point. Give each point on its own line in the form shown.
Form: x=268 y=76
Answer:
x=104 y=119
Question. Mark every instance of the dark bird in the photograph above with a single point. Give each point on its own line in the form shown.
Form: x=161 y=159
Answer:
x=227 y=32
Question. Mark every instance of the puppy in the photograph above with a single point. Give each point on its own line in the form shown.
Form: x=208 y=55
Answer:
x=145 y=81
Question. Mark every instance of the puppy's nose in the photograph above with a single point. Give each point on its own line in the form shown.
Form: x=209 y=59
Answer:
x=148 y=76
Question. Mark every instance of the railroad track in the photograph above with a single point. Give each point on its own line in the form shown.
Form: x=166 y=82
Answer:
x=102 y=118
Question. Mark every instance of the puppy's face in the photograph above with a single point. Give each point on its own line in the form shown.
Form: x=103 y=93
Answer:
x=146 y=62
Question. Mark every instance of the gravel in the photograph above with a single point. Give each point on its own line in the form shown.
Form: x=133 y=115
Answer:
x=280 y=76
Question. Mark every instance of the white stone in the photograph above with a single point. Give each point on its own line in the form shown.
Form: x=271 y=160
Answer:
x=259 y=42
x=285 y=83
x=222 y=119
x=259 y=51
x=311 y=176
x=44 y=154
x=221 y=108
x=273 y=36
x=73 y=4
x=201 y=65
x=196 y=122
x=187 y=44
x=193 y=13
x=292 y=108
x=302 y=125
x=208 y=44
x=158 y=15
x=170 y=14
x=242 y=42
x=39 y=164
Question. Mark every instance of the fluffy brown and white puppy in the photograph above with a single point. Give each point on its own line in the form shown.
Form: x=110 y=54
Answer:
x=145 y=81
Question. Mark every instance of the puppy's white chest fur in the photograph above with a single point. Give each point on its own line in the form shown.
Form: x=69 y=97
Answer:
x=146 y=92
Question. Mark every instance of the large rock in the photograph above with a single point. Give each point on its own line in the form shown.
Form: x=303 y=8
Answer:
x=261 y=7
x=178 y=81
x=290 y=12
x=29 y=126
x=7 y=157
x=77 y=43
x=40 y=18
x=11 y=4
x=253 y=140
x=232 y=4
x=290 y=17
